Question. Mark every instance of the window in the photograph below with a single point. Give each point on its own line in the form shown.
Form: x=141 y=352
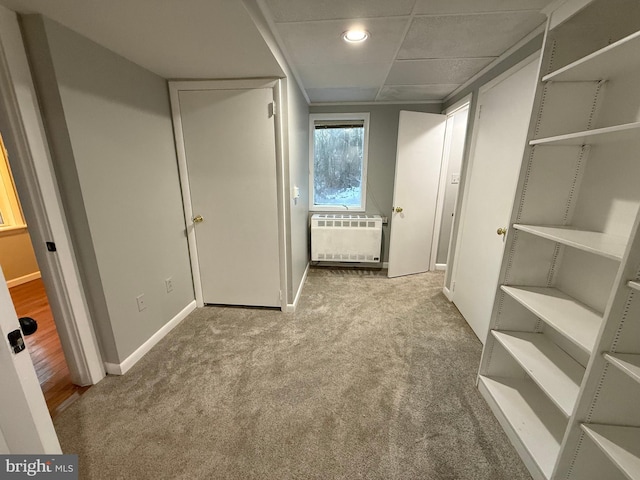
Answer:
x=338 y=161
x=10 y=212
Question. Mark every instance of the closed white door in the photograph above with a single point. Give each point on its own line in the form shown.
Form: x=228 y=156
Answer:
x=415 y=191
x=499 y=140
x=229 y=142
x=24 y=418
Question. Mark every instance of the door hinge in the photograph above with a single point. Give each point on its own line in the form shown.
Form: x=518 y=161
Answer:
x=479 y=111
x=453 y=286
x=280 y=295
x=272 y=109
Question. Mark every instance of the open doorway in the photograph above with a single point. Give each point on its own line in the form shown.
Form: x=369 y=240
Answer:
x=454 y=145
x=19 y=263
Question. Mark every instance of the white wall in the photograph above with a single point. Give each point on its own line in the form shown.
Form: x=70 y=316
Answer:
x=109 y=128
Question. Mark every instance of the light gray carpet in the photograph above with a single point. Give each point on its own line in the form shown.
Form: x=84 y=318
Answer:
x=372 y=378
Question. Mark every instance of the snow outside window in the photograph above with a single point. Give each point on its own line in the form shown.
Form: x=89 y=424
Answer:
x=338 y=157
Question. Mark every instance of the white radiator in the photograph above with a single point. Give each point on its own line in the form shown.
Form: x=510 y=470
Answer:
x=345 y=238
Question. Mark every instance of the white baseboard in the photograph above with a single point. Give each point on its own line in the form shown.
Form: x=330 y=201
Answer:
x=24 y=279
x=131 y=360
x=291 y=307
x=447 y=293
x=441 y=266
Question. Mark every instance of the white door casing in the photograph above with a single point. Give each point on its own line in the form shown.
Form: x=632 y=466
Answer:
x=415 y=191
x=25 y=422
x=228 y=142
x=502 y=120
x=37 y=187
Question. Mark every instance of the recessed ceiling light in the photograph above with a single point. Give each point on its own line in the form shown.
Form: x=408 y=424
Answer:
x=355 y=36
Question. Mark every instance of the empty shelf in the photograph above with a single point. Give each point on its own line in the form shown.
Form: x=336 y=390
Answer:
x=619 y=57
x=609 y=246
x=534 y=422
x=555 y=372
x=577 y=322
x=598 y=136
x=629 y=364
x=620 y=444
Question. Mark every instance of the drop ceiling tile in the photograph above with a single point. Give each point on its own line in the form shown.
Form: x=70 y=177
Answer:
x=297 y=11
x=414 y=93
x=448 y=70
x=326 y=95
x=467 y=36
x=322 y=43
x=351 y=75
x=431 y=7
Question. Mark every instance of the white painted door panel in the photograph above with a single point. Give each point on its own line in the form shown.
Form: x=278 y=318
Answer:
x=229 y=141
x=415 y=191
x=25 y=422
x=494 y=167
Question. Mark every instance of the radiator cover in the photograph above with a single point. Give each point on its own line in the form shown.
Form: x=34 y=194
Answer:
x=346 y=238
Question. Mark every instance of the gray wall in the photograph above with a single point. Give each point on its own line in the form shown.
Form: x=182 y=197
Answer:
x=298 y=121
x=383 y=139
x=109 y=128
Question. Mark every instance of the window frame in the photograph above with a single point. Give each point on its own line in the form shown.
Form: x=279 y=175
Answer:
x=346 y=117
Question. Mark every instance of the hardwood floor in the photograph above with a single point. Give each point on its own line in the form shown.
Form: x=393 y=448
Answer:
x=30 y=300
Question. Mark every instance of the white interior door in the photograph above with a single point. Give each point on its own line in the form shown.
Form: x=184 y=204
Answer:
x=415 y=191
x=229 y=143
x=500 y=133
x=25 y=422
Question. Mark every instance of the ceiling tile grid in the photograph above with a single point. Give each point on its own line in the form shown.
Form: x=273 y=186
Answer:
x=414 y=93
x=347 y=75
x=346 y=95
x=467 y=36
x=320 y=42
x=305 y=11
x=418 y=50
x=431 y=7
x=435 y=70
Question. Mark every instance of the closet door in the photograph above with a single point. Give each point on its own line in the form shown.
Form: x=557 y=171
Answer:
x=500 y=131
x=229 y=145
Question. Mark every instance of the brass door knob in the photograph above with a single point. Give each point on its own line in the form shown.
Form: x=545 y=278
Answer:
x=397 y=209
x=502 y=231
x=198 y=219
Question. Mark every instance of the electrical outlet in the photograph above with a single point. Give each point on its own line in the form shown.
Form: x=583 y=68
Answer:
x=141 y=302
x=168 y=282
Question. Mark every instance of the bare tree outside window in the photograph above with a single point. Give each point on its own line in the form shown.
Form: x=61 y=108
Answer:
x=337 y=164
x=338 y=151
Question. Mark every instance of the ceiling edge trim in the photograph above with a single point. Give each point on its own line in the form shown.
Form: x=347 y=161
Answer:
x=262 y=19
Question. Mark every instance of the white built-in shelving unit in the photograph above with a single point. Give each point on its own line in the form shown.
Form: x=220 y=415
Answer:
x=561 y=365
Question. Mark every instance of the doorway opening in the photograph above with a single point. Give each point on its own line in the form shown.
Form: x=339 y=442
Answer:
x=20 y=267
x=454 y=146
